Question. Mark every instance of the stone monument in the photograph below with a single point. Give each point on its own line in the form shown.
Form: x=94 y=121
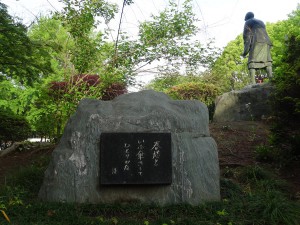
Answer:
x=140 y=147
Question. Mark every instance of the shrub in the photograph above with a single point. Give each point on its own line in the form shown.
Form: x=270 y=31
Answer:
x=113 y=91
x=203 y=92
x=85 y=85
x=59 y=100
x=13 y=128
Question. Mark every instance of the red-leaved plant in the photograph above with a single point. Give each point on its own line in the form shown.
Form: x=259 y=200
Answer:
x=83 y=83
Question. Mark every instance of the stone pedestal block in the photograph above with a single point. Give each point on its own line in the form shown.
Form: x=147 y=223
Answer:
x=249 y=104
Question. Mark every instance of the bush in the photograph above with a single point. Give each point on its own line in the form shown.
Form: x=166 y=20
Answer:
x=84 y=86
x=205 y=93
x=59 y=99
x=13 y=128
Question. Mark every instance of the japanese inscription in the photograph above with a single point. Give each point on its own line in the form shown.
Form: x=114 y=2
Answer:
x=135 y=158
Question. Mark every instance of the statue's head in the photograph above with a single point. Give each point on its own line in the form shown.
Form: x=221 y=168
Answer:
x=249 y=15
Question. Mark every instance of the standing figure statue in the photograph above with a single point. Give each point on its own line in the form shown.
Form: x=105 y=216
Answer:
x=258 y=44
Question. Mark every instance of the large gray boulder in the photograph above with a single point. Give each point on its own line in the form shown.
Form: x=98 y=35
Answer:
x=73 y=173
x=250 y=103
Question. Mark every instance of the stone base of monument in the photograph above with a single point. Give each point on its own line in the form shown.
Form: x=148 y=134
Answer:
x=140 y=147
x=248 y=104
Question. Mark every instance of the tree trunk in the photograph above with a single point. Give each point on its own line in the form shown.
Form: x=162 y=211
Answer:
x=10 y=149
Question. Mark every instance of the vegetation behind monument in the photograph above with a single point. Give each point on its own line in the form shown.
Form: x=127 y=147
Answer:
x=286 y=99
x=61 y=47
x=285 y=38
x=67 y=45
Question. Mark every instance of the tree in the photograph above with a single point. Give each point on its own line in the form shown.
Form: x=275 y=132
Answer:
x=55 y=40
x=9 y=96
x=57 y=96
x=230 y=64
x=17 y=52
x=70 y=46
x=170 y=38
x=79 y=18
x=286 y=98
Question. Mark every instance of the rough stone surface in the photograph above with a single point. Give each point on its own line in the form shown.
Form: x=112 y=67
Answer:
x=73 y=173
x=250 y=103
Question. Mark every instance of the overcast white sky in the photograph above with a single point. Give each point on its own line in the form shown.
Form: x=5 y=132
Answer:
x=222 y=20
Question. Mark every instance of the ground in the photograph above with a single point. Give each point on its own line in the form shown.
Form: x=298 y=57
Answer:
x=236 y=142
x=18 y=159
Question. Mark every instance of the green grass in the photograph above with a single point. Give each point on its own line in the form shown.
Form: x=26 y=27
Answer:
x=250 y=195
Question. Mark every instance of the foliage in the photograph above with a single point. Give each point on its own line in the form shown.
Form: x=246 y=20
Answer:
x=84 y=85
x=165 y=81
x=28 y=102
x=61 y=47
x=79 y=18
x=285 y=135
x=27 y=66
x=75 y=48
x=57 y=100
x=168 y=38
x=194 y=91
x=49 y=108
x=9 y=96
x=13 y=128
x=230 y=71
x=201 y=91
x=113 y=91
x=55 y=40
x=5 y=216
x=45 y=118
x=190 y=87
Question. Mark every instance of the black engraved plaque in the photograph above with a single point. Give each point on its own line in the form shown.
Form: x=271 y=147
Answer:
x=135 y=158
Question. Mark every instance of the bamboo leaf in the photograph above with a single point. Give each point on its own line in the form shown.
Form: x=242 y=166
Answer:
x=5 y=216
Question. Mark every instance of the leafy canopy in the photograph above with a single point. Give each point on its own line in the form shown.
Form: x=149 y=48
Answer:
x=17 y=52
x=67 y=45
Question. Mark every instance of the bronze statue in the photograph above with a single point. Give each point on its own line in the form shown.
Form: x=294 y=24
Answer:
x=258 y=44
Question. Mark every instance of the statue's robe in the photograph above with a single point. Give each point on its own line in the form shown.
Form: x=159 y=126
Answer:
x=257 y=43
